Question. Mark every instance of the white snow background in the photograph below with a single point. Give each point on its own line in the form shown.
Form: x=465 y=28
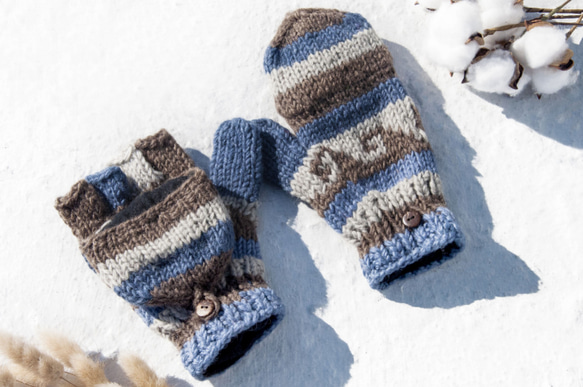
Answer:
x=80 y=80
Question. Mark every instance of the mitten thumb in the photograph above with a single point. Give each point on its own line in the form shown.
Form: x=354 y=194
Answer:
x=281 y=151
x=236 y=161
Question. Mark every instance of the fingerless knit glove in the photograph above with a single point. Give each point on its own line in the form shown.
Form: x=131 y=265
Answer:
x=358 y=153
x=154 y=228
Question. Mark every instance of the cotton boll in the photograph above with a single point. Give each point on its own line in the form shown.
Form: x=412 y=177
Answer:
x=496 y=13
x=457 y=21
x=548 y=80
x=431 y=4
x=453 y=57
x=493 y=4
x=448 y=30
x=540 y=46
x=494 y=73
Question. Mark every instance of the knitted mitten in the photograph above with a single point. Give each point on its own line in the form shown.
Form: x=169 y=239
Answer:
x=154 y=228
x=358 y=153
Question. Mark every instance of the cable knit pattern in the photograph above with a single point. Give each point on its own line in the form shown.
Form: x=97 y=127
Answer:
x=358 y=153
x=156 y=231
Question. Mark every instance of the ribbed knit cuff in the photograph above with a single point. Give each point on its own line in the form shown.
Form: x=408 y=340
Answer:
x=226 y=338
x=436 y=239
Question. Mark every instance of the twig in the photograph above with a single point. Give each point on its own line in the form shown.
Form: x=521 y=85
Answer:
x=490 y=31
x=564 y=16
x=550 y=14
x=568 y=34
x=567 y=24
x=542 y=10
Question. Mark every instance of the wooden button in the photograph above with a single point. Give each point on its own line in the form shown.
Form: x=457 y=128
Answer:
x=205 y=308
x=411 y=219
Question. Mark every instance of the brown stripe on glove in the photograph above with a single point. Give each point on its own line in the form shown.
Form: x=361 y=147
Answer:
x=180 y=290
x=319 y=95
x=164 y=154
x=193 y=194
x=304 y=21
x=349 y=168
x=83 y=209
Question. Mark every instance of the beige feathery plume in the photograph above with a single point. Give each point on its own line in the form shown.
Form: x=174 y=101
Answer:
x=28 y=363
x=6 y=378
x=59 y=346
x=89 y=372
x=139 y=372
x=108 y=385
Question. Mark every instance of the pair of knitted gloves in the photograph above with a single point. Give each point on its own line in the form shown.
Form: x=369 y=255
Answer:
x=182 y=248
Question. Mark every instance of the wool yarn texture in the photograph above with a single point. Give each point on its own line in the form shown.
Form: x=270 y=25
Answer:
x=357 y=152
x=155 y=229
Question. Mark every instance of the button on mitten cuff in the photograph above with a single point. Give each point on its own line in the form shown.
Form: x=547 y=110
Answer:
x=358 y=153
x=154 y=228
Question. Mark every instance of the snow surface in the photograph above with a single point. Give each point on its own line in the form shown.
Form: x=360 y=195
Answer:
x=82 y=80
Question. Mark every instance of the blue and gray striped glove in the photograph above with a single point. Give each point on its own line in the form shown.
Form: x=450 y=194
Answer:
x=357 y=153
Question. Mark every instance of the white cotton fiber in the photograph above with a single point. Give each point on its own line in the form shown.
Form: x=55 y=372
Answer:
x=449 y=29
x=540 y=47
x=548 y=80
x=498 y=13
x=431 y=4
x=494 y=73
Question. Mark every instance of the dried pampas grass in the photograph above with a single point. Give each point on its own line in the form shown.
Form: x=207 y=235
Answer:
x=6 y=378
x=89 y=372
x=139 y=372
x=29 y=366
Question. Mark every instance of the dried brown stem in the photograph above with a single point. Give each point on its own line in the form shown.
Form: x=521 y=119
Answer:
x=555 y=10
x=567 y=24
x=544 y=10
x=491 y=31
x=573 y=16
x=568 y=34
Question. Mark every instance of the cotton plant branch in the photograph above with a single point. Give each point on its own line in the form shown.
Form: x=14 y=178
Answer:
x=526 y=23
x=541 y=10
x=510 y=55
x=555 y=10
x=549 y=15
x=574 y=27
x=30 y=367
